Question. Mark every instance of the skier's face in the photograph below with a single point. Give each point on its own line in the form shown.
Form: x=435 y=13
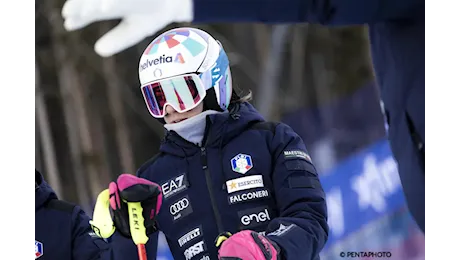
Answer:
x=172 y=116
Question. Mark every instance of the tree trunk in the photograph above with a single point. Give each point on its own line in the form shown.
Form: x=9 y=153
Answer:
x=262 y=35
x=73 y=103
x=269 y=86
x=44 y=138
x=117 y=108
x=294 y=92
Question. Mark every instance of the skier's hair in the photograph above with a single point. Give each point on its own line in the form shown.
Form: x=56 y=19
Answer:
x=237 y=98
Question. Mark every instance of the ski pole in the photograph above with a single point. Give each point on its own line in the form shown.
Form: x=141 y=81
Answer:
x=137 y=228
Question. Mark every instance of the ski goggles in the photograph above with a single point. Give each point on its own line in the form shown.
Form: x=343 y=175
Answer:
x=182 y=92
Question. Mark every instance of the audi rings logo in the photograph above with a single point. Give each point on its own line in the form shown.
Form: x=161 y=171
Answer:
x=179 y=206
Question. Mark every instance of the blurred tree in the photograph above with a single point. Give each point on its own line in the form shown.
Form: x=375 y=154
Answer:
x=117 y=108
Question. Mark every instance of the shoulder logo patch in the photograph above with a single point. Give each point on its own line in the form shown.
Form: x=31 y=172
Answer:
x=241 y=163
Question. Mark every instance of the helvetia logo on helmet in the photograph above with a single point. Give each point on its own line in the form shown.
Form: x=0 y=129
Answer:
x=160 y=60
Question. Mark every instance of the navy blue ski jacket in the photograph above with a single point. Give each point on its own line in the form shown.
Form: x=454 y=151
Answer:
x=397 y=38
x=248 y=175
x=62 y=230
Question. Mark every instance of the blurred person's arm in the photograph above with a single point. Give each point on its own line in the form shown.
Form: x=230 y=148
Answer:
x=328 y=12
x=124 y=248
x=87 y=245
x=143 y=18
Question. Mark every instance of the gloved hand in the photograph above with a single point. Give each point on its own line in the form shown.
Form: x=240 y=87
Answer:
x=249 y=245
x=140 y=19
x=130 y=188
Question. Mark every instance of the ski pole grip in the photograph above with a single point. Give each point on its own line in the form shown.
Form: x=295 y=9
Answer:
x=136 y=223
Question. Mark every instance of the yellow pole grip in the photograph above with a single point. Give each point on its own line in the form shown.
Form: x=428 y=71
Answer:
x=136 y=223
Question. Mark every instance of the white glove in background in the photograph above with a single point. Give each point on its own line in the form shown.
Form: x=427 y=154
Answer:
x=140 y=19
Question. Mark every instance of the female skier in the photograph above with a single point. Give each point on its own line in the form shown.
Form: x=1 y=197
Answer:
x=233 y=186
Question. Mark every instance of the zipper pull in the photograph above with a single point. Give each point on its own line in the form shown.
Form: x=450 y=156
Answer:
x=204 y=162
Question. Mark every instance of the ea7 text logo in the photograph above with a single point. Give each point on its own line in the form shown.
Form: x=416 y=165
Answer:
x=174 y=186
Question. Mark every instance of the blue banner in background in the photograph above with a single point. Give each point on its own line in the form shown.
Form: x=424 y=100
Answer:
x=367 y=208
x=359 y=191
x=362 y=189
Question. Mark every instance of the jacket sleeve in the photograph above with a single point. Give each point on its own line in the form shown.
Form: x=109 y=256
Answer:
x=124 y=248
x=301 y=229
x=86 y=245
x=326 y=12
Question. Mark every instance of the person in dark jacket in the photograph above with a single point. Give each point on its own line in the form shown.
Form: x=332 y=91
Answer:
x=225 y=174
x=62 y=230
x=397 y=37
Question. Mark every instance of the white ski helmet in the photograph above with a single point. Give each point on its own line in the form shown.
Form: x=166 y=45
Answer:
x=183 y=51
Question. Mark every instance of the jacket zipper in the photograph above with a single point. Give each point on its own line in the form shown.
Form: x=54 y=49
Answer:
x=204 y=163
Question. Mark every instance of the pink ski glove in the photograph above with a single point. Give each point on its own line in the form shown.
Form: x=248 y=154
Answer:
x=249 y=245
x=130 y=188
